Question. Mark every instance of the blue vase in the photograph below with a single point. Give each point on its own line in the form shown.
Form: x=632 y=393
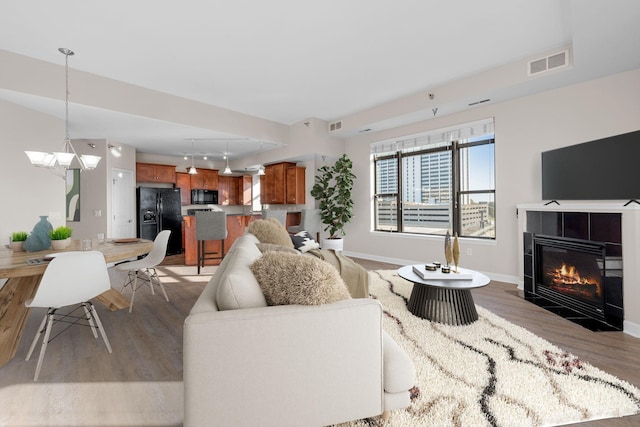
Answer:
x=39 y=239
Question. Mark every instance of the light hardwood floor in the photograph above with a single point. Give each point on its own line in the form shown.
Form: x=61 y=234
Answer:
x=140 y=384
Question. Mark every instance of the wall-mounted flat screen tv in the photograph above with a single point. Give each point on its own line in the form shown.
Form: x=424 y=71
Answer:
x=604 y=169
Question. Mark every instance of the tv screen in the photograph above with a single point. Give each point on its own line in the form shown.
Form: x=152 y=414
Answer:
x=604 y=169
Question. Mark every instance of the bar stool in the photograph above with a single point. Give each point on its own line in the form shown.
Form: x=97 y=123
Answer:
x=210 y=226
x=279 y=214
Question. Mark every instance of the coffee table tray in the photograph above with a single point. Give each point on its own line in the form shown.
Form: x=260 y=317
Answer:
x=425 y=274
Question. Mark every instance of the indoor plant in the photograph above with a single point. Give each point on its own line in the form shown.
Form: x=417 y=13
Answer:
x=332 y=189
x=60 y=237
x=17 y=240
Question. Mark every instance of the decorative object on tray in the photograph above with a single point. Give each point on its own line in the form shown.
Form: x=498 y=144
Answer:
x=17 y=240
x=425 y=273
x=60 y=237
x=39 y=239
x=456 y=251
x=127 y=240
x=448 y=255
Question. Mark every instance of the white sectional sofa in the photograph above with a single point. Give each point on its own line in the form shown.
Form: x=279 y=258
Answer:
x=249 y=364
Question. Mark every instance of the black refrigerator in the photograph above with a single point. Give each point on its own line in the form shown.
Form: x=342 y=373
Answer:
x=160 y=209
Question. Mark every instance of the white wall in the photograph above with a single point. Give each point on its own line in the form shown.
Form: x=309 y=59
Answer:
x=524 y=128
x=27 y=192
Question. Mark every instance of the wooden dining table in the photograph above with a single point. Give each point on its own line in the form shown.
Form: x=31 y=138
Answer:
x=24 y=278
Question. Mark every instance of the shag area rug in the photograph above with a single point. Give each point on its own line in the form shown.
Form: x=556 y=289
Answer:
x=492 y=372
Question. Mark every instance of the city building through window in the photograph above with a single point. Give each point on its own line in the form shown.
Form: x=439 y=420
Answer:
x=436 y=182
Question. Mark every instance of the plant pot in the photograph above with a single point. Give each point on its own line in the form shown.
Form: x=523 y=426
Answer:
x=334 y=244
x=60 y=244
x=16 y=246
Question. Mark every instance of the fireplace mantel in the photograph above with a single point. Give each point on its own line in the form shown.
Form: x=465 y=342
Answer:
x=630 y=217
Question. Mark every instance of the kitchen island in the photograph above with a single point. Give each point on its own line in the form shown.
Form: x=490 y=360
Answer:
x=236 y=226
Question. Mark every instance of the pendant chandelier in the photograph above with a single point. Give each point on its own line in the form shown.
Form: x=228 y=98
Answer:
x=227 y=169
x=261 y=167
x=58 y=162
x=192 y=169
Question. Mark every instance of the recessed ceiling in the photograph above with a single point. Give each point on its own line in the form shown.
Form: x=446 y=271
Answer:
x=288 y=60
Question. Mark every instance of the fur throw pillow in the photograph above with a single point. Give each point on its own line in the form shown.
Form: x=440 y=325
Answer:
x=270 y=231
x=268 y=247
x=293 y=279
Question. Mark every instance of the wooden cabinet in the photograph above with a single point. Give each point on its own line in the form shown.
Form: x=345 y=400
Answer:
x=245 y=186
x=273 y=184
x=205 y=179
x=228 y=190
x=147 y=172
x=295 y=186
x=183 y=182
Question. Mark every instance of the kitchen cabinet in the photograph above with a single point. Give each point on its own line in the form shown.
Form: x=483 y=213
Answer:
x=273 y=184
x=183 y=182
x=228 y=190
x=147 y=172
x=205 y=179
x=295 y=186
x=245 y=186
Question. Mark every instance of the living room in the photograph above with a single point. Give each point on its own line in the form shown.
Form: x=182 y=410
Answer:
x=594 y=108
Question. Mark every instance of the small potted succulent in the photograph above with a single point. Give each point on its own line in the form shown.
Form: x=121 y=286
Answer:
x=60 y=237
x=17 y=240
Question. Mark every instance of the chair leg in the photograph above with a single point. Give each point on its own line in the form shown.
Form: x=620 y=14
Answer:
x=133 y=289
x=89 y=318
x=94 y=314
x=155 y=277
x=45 y=341
x=39 y=332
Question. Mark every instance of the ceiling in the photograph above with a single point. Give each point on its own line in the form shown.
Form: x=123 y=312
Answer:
x=290 y=60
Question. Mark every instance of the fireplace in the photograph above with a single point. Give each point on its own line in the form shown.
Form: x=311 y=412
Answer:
x=569 y=271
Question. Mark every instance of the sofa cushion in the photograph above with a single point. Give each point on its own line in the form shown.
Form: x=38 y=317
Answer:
x=291 y=279
x=270 y=231
x=303 y=241
x=267 y=247
x=237 y=286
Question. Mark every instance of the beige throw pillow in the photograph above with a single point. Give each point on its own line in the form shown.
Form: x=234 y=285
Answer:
x=270 y=247
x=292 y=279
x=270 y=231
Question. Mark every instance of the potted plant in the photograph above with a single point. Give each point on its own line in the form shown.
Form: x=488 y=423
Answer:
x=332 y=189
x=60 y=237
x=17 y=240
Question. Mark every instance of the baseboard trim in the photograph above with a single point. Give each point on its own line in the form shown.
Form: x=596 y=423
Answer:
x=493 y=276
x=631 y=328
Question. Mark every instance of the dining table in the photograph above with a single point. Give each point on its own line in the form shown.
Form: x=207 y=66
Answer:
x=24 y=271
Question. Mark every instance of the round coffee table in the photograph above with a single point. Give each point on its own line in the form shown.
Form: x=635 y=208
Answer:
x=444 y=298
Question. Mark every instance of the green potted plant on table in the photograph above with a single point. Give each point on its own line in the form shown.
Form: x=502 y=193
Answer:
x=17 y=240
x=332 y=189
x=60 y=237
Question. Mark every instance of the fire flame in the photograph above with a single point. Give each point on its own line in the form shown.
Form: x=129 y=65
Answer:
x=568 y=275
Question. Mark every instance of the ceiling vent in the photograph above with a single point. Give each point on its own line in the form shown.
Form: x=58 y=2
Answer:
x=548 y=63
x=335 y=126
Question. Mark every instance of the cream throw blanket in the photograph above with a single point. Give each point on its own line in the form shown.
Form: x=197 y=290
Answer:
x=354 y=275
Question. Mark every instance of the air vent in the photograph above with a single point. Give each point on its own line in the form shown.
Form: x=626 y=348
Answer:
x=548 y=63
x=335 y=126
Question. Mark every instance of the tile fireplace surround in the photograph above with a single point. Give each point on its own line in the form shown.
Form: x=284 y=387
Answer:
x=630 y=221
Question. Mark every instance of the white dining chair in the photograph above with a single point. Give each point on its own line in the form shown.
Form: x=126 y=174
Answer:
x=71 y=278
x=145 y=269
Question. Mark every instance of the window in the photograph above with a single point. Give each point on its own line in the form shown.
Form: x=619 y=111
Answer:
x=437 y=181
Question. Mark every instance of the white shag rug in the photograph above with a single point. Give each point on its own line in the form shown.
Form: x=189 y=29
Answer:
x=492 y=372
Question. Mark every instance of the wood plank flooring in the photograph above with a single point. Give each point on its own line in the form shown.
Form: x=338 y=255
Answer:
x=140 y=384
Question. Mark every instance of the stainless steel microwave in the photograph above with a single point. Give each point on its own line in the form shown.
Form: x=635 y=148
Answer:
x=204 y=197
